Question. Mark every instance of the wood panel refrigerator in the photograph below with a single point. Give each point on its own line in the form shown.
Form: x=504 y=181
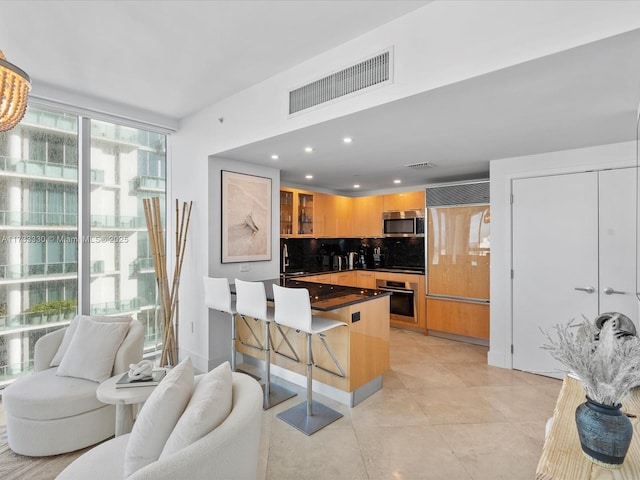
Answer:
x=457 y=261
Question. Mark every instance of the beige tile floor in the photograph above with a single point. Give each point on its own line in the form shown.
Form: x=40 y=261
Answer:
x=443 y=413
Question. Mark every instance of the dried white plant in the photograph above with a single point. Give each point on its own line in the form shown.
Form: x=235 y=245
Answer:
x=608 y=364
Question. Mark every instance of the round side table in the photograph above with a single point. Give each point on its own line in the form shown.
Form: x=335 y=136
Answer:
x=124 y=399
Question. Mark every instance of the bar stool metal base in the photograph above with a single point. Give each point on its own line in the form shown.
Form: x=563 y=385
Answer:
x=277 y=395
x=297 y=417
x=255 y=377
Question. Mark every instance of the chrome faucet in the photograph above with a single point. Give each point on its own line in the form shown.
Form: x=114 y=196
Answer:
x=285 y=257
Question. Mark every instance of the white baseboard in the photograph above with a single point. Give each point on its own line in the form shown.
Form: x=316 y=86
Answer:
x=499 y=358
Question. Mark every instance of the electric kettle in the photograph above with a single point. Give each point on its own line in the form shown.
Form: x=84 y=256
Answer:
x=352 y=257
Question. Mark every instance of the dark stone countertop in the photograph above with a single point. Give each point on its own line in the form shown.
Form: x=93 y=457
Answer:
x=324 y=297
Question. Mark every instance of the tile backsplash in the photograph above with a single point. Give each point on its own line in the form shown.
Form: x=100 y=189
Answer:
x=313 y=253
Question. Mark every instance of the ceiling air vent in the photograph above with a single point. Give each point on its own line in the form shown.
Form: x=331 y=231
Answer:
x=421 y=165
x=370 y=72
x=472 y=193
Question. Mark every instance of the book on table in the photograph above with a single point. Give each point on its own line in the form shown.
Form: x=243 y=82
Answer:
x=156 y=375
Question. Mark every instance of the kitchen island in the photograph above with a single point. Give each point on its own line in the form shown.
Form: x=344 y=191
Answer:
x=361 y=348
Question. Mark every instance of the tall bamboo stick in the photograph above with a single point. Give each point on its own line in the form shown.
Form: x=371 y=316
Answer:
x=174 y=303
x=174 y=285
x=156 y=236
x=168 y=297
x=178 y=266
x=159 y=242
x=158 y=268
x=166 y=308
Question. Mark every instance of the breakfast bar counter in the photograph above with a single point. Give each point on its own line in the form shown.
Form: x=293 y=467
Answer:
x=361 y=348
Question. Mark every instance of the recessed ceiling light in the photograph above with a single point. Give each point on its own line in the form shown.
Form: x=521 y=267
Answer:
x=274 y=157
x=308 y=177
x=308 y=149
x=397 y=181
x=356 y=186
x=347 y=140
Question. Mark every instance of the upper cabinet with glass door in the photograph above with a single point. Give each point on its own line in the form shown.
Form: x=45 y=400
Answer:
x=305 y=214
x=286 y=212
x=296 y=213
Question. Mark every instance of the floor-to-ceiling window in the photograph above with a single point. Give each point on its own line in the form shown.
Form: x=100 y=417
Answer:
x=131 y=165
x=40 y=242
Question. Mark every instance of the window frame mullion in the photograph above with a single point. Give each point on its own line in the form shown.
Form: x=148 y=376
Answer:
x=84 y=215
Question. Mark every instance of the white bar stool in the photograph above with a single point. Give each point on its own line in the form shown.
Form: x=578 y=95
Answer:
x=217 y=295
x=293 y=310
x=251 y=301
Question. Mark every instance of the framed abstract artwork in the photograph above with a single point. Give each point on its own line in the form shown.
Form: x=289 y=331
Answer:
x=246 y=218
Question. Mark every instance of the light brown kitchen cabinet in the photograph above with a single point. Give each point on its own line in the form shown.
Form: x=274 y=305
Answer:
x=404 y=201
x=325 y=225
x=460 y=318
x=333 y=216
x=304 y=213
x=365 y=279
x=322 y=278
x=367 y=216
x=347 y=279
x=458 y=258
x=343 y=216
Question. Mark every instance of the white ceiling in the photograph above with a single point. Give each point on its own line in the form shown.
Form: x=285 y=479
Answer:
x=578 y=98
x=176 y=57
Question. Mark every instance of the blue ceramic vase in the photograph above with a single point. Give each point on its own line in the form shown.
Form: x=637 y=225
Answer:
x=605 y=433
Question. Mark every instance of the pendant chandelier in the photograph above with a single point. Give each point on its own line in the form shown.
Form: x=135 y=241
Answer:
x=14 y=89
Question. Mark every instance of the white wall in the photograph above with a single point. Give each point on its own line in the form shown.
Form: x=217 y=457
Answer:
x=205 y=335
x=219 y=336
x=502 y=174
x=442 y=43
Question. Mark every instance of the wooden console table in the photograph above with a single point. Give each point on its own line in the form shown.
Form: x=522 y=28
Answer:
x=562 y=457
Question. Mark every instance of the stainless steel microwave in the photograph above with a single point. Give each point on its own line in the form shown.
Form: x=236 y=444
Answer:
x=403 y=223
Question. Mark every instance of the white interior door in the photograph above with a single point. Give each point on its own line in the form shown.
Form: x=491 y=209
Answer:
x=617 y=237
x=555 y=252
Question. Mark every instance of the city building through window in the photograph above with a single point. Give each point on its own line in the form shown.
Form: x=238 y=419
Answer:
x=56 y=261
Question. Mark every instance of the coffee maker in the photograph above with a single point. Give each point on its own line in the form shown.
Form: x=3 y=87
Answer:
x=378 y=258
x=365 y=256
x=339 y=262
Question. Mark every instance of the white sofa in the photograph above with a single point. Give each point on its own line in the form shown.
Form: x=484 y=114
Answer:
x=229 y=451
x=49 y=414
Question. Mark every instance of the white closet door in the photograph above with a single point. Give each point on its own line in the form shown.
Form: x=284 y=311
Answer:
x=617 y=194
x=555 y=251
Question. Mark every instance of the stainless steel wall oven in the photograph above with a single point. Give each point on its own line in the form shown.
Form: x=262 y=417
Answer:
x=403 y=302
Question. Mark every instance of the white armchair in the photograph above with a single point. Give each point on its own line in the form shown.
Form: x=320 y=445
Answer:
x=228 y=452
x=49 y=414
